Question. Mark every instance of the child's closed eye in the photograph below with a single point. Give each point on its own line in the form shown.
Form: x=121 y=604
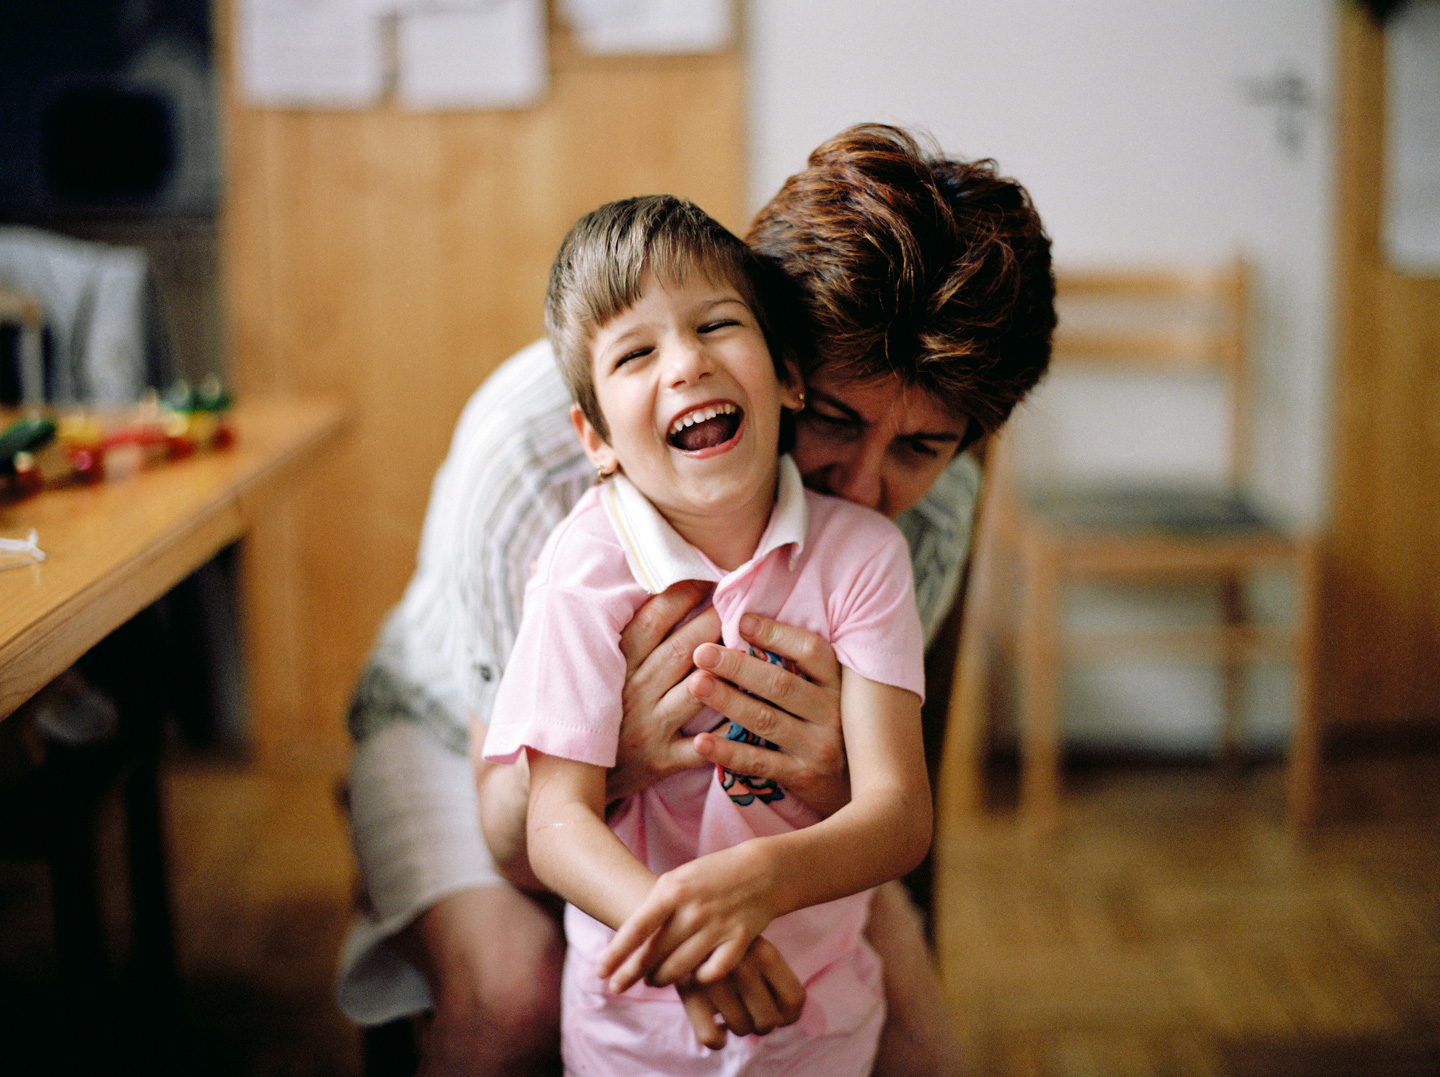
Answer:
x=634 y=353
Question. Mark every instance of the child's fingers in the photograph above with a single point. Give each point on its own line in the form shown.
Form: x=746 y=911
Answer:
x=722 y=960
x=636 y=966
x=702 y=1018
x=646 y=921
x=785 y=986
x=732 y=1010
x=755 y=995
x=686 y=957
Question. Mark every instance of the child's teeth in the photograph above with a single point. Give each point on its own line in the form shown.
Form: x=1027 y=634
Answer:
x=703 y=415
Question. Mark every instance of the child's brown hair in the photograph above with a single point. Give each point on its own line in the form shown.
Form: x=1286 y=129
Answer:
x=597 y=272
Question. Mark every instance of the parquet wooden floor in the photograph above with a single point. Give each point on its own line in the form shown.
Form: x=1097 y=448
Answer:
x=1170 y=926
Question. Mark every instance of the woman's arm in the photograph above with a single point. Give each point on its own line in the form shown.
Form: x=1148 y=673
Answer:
x=700 y=918
x=504 y=794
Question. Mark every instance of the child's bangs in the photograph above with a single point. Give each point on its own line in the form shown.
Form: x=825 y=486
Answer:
x=676 y=259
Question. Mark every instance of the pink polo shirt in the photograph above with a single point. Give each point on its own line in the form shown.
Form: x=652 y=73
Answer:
x=823 y=564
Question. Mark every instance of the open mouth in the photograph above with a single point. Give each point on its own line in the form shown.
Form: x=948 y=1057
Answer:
x=706 y=427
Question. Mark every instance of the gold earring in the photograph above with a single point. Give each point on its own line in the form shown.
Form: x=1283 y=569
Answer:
x=801 y=406
x=602 y=472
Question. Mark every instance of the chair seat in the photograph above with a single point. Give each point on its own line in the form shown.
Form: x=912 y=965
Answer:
x=1175 y=512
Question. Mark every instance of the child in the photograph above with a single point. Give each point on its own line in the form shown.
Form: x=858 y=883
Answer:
x=654 y=318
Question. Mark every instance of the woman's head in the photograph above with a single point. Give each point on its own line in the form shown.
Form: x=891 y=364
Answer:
x=925 y=277
x=599 y=270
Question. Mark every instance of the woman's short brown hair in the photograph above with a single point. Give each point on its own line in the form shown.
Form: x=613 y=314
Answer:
x=911 y=264
x=597 y=272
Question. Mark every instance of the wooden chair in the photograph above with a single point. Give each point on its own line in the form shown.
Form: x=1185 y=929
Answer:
x=1038 y=537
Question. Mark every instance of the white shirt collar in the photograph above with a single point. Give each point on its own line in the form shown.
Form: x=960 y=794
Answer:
x=659 y=558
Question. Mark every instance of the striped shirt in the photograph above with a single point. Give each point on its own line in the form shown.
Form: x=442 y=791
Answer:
x=514 y=470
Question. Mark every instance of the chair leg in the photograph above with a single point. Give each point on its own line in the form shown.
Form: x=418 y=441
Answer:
x=1039 y=673
x=1306 y=742
x=1233 y=666
x=963 y=766
x=967 y=721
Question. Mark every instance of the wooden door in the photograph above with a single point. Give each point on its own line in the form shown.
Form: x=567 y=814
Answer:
x=1381 y=612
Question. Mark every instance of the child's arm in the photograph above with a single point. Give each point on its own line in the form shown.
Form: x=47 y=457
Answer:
x=700 y=918
x=578 y=856
x=572 y=850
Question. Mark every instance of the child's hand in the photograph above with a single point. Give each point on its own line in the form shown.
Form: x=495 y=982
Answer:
x=761 y=995
x=698 y=920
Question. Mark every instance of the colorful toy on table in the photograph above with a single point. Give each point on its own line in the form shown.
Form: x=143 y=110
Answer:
x=20 y=443
x=92 y=445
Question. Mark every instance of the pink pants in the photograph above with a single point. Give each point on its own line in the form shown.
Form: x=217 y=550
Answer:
x=622 y=1036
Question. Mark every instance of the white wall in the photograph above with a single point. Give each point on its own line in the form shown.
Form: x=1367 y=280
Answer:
x=1132 y=125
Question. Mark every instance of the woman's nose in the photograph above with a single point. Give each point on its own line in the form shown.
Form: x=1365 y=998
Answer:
x=858 y=479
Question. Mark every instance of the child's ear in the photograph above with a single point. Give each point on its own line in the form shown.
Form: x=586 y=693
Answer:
x=792 y=388
x=599 y=453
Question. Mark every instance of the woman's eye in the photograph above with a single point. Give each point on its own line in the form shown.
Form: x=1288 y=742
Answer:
x=921 y=449
x=710 y=327
x=830 y=425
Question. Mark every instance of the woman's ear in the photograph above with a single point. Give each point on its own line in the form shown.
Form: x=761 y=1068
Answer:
x=599 y=453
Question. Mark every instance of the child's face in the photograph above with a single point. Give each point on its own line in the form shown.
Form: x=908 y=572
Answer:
x=686 y=385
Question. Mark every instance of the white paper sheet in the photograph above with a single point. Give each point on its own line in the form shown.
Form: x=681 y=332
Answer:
x=311 y=53
x=1412 y=140
x=471 y=54
x=651 y=26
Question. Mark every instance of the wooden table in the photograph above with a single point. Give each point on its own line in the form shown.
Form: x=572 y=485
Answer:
x=113 y=548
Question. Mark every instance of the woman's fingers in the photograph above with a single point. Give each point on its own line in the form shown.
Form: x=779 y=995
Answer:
x=692 y=953
x=722 y=960
x=757 y=683
x=654 y=622
x=656 y=703
x=812 y=655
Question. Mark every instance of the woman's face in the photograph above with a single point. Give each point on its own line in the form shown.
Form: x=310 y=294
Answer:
x=881 y=444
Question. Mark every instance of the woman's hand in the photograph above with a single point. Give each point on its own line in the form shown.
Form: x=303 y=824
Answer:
x=658 y=666
x=698 y=921
x=798 y=714
x=760 y=995
x=664 y=689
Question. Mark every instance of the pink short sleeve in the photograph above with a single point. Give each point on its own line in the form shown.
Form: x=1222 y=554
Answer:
x=875 y=622
x=562 y=687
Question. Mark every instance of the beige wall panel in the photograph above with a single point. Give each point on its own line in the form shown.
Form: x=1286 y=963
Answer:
x=396 y=258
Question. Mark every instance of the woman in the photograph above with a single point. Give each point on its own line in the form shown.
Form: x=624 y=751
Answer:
x=928 y=297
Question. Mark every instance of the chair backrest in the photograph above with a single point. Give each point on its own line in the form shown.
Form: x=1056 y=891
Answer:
x=1187 y=323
